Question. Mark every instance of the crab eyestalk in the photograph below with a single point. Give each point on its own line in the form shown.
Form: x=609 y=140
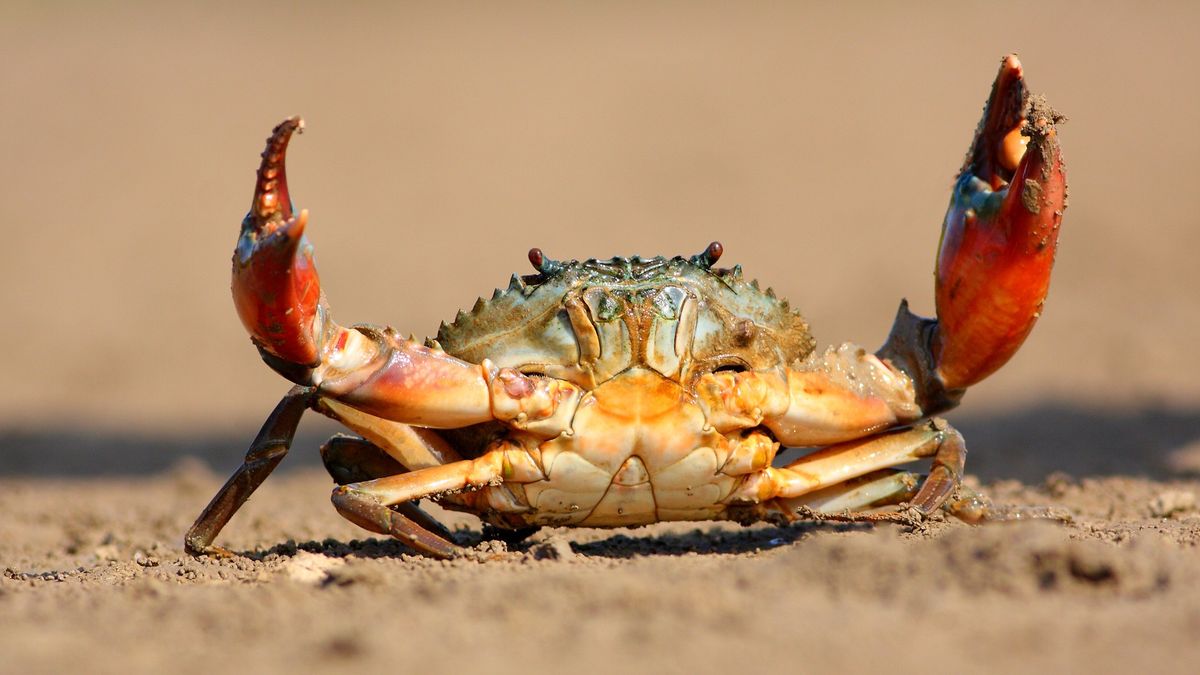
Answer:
x=275 y=284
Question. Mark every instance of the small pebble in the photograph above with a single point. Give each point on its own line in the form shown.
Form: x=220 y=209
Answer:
x=1170 y=502
x=554 y=549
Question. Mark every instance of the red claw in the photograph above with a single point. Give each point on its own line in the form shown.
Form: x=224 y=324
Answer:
x=1000 y=234
x=275 y=284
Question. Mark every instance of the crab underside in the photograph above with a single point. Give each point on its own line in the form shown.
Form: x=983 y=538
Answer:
x=629 y=391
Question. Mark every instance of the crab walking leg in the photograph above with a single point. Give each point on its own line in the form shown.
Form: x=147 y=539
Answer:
x=369 y=514
x=353 y=460
x=410 y=447
x=265 y=453
x=946 y=474
x=350 y=459
x=278 y=296
x=855 y=501
x=366 y=504
x=878 y=488
x=844 y=461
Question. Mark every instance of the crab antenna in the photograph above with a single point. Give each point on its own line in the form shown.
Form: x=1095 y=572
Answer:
x=541 y=263
x=709 y=256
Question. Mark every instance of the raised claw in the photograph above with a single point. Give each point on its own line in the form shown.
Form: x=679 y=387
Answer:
x=1000 y=234
x=275 y=284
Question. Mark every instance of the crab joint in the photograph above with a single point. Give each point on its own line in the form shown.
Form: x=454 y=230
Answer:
x=385 y=375
x=739 y=400
x=540 y=405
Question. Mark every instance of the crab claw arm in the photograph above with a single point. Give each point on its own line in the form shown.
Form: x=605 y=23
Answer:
x=1000 y=234
x=278 y=297
x=275 y=285
x=839 y=395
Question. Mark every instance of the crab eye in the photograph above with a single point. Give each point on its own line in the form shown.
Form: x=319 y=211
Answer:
x=731 y=368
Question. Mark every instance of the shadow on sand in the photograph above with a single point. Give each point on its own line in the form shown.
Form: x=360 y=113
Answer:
x=703 y=540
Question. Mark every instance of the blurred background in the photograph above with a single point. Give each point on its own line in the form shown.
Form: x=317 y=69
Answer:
x=818 y=141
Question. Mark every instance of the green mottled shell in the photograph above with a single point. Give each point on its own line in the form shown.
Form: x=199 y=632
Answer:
x=527 y=326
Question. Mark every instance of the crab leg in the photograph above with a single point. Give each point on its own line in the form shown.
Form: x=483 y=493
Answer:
x=411 y=447
x=265 y=453
x=878 y=488
x=371 y=515
x=843 y=399
x=839 y=463
x=351 y=460
x=854 y=501
x=366 y=503
x=278 y=297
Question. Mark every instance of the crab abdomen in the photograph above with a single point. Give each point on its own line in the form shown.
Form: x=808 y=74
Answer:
x=639 y=450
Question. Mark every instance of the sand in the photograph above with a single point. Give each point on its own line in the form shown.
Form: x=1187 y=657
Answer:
x=99 y=583
x=817 y=142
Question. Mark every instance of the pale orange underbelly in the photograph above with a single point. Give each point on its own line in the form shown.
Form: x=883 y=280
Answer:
x=637 y=453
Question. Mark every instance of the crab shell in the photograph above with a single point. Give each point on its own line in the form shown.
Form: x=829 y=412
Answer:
x=585 y=322
x=636 y=336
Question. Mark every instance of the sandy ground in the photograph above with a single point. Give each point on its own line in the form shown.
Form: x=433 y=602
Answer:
x=98 y=583
x=817 y=142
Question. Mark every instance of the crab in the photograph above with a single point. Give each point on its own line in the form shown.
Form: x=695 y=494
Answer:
x=627 y=391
